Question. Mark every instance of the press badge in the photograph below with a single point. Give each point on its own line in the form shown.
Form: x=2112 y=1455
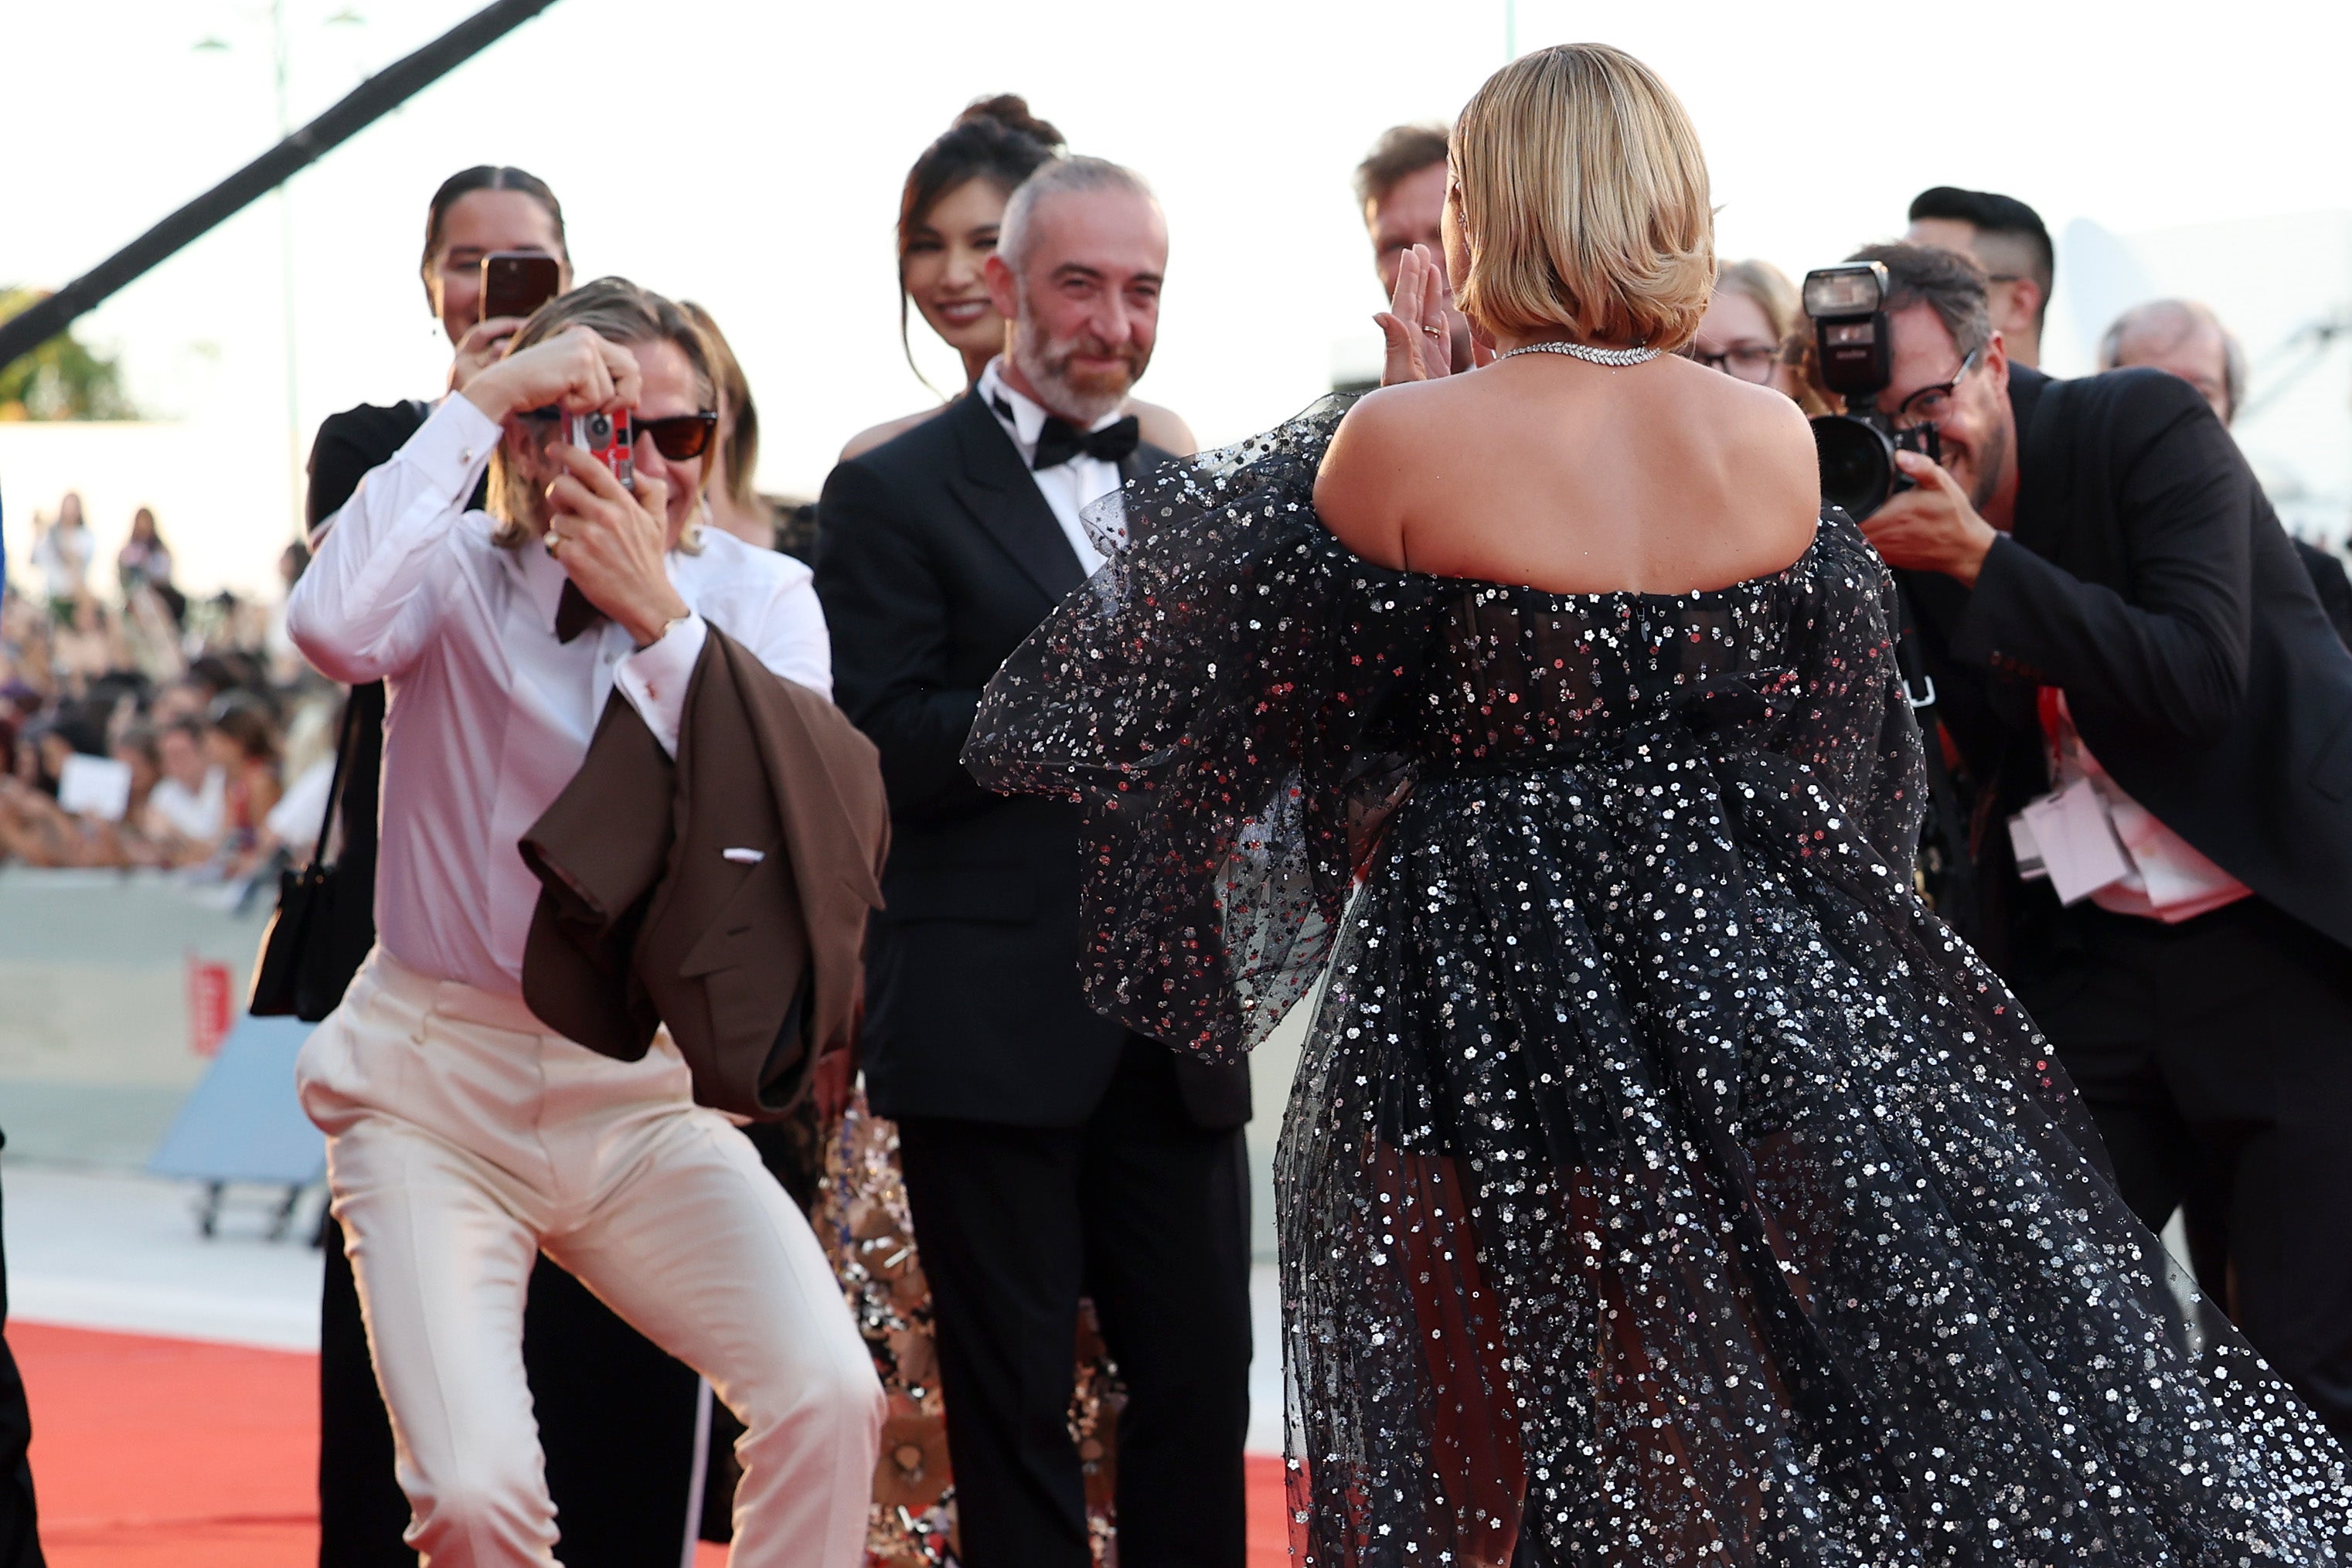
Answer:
x=2069 y=838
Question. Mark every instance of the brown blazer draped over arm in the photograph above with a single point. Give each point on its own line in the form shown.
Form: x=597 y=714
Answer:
x=724 y=894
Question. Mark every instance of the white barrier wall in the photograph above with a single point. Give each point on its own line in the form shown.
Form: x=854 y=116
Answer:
x=95 y=1027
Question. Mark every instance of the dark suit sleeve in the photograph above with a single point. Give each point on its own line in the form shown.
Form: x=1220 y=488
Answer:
x=2170 y=654
x=345 y=449
x=2333 y=588
x=887 y=610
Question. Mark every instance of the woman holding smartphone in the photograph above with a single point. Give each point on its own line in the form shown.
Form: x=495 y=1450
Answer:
x=617 y=1417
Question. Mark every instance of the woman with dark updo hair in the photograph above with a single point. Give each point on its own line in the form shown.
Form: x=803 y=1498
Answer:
x=948 y=217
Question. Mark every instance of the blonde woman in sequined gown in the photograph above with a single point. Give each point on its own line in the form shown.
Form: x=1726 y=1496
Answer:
x=1662 y=1184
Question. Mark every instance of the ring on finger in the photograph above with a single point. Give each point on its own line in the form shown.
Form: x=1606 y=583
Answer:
x=551 y=539
x=1432 y=331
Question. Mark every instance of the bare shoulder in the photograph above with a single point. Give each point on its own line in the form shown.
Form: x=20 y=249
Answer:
x=867 y=439
x=1771 y=446
x=1164 y=428
x=1361 y=489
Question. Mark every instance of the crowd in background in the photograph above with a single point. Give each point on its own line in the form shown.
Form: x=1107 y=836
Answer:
x=213 y=741
x=142 y=727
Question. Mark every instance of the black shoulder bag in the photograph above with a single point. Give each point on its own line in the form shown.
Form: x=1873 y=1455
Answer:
x=326 y=920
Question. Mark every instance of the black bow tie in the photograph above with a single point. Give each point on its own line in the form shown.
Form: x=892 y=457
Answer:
x=574 y=613
x=1060 y=440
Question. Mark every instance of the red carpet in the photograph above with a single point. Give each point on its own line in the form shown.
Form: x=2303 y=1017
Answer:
x=163 y=1453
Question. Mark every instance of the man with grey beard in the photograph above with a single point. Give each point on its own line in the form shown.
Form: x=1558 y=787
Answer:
x=1048 y=1153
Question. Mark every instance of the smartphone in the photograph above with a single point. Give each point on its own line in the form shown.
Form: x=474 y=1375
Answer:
x=608 y=438
x=518 y=282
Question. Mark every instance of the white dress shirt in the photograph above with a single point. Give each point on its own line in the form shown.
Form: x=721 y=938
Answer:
x=2167 y=878
x=491 y=715
x=1069 y=487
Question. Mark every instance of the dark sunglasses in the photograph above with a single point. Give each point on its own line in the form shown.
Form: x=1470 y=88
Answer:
x=678 y=438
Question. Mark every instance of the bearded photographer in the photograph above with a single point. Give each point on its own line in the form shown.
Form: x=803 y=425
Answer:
x=2131 y=662
x=464 y=1136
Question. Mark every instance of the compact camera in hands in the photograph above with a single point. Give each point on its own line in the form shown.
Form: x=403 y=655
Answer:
x=610 y=440
x=1854 y=348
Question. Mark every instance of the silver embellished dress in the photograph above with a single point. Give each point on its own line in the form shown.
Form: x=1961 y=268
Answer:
x=1662 y=1184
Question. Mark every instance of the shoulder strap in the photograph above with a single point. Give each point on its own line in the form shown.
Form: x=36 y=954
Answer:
x=335 y=784
x=1950 y=821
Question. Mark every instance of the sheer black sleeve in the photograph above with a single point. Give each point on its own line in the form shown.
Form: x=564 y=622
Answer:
x=1214 y=698
x=1852 y=722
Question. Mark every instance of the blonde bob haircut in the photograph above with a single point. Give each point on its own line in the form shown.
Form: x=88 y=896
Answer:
x=1583 y=196
x=618 y=311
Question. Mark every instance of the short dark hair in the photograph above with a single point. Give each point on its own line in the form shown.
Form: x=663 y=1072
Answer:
x=1989 y=212
x=247 y=723
x=1402 y=152
x=485 y=177
x=1951 y=284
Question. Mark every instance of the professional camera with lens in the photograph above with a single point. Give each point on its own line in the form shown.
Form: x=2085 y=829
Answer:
x=1857 y=448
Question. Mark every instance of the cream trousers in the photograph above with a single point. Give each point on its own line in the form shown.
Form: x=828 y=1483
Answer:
x=462 y=1140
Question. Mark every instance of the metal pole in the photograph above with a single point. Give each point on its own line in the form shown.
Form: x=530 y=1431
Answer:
x=361 y=108
x=285 y=198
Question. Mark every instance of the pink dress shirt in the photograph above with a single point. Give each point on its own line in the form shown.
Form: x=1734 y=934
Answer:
x=490 y=714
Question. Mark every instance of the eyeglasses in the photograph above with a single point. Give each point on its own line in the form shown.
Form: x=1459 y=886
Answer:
x=677 y=437
x=1747 y=363
x=1931 y=405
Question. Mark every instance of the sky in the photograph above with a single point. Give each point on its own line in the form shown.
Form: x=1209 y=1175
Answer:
x=749 y=156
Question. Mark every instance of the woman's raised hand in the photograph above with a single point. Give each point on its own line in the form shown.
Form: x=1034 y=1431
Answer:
x=482 y=346
x=1419 y=331
x=575 y=371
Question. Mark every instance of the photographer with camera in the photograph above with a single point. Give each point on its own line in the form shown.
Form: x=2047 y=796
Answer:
x=618 y=1417
x=465 y=1136
x=2154 y=718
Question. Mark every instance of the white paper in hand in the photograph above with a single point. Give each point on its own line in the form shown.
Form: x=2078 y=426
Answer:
x=95 y=787
x=2076 y=839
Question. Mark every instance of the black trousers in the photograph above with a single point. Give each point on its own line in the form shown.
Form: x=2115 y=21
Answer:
x=2216 y=1057
x=20 y=1536
x=616 y=1420
x=1149 y=1214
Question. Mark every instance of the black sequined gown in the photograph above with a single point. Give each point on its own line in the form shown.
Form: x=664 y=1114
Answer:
x=1662 y=1182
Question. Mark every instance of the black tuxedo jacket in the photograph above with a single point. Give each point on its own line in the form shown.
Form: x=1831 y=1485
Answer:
x=2148 y=578
x=937 y=555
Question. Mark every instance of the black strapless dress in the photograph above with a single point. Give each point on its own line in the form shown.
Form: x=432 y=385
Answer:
x=1662 y=1184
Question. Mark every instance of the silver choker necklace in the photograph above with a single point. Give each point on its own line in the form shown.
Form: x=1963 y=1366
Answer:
x=1587 y=352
